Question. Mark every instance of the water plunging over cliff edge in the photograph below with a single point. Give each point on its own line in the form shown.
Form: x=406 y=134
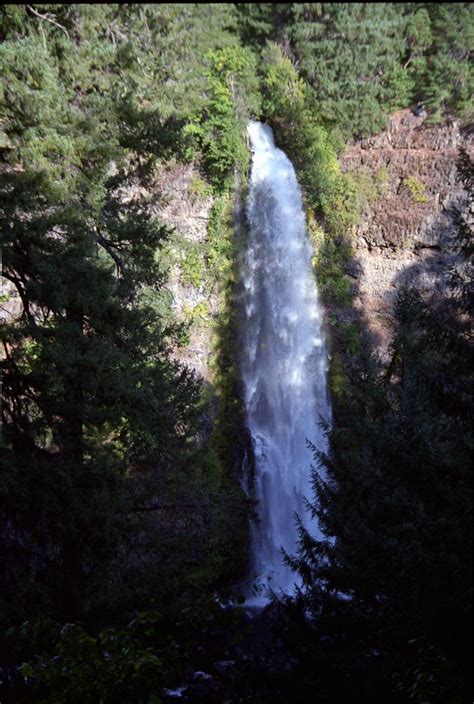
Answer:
x=283 y=361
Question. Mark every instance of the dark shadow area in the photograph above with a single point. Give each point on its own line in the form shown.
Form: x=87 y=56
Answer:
x=385 y=613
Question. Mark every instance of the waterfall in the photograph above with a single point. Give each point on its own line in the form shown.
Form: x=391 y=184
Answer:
x=283 y=359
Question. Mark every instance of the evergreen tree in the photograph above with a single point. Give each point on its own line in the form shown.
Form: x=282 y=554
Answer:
x=443 y=74
x=100 y=425
x=393 y=495
x=364 y=60
x=89 y=391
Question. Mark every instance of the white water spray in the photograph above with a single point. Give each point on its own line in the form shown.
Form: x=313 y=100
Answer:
x=284 y=359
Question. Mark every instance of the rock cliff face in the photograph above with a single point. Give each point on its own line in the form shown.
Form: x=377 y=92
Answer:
x=406 y=228
x=186 y=208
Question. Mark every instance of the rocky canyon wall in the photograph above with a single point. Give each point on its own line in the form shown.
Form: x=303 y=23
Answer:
x=405 y=232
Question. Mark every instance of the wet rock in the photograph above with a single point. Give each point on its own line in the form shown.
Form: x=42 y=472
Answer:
x=224 y=665
x=176 y=694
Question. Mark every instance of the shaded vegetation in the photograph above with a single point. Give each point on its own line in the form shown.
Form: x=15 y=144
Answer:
x=112 y=502
x=394 y=495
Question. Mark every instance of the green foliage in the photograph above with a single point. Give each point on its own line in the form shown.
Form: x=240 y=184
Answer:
x=198 y=313
x=182 y=336
x=101 y=426
x=135 y=662
x=209 y=265
x=444 y=78
x=333 y=283
x=427 y=674
x=289 y=107
x=213 y=270
x=416 y=189
x=350 y=337
x=365 y=185
x=45 y=131
x=364 y=188
x=89 y=389
x=199 y=189
x=352 y=57
x=192 y=268
x=221 y=251
x=225 y=441
x=329 y=260
x=220 y=128
x=362 y=60
x=337 y=378
x=281 y=85
x=382 y=180
x=115 y=665
x=263 y=21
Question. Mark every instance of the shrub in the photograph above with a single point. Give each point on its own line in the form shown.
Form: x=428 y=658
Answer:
x=416 y=188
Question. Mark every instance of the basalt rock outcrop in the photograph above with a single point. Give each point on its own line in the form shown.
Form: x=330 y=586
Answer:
x=405 y=233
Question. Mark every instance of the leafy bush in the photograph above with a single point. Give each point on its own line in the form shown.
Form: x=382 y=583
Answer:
x=116 y=665
x=416 y=188
x=192 y=268
x=199 y=189
x=289 y=107
x=220 y=129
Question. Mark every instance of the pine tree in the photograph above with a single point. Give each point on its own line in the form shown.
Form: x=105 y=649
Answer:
x=94 y=407
x=393 y=495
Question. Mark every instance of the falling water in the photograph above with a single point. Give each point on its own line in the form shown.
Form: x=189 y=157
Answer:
x=284 y=360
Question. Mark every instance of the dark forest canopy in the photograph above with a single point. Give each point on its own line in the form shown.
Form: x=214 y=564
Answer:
x=118 y=522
